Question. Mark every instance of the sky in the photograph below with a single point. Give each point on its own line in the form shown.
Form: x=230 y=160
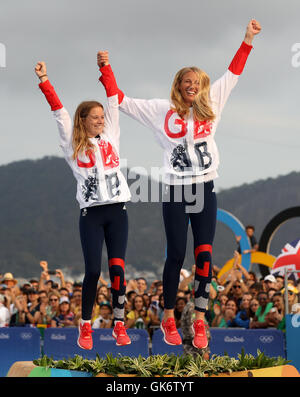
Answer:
x=148 y=42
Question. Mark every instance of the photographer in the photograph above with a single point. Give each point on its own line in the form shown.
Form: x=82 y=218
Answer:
x=44 y=283
x=139 y=316
x=105 y=318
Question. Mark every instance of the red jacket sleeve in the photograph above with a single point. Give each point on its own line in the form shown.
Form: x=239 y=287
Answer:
x=109 y=82
x=50 y=94
x=238 y=63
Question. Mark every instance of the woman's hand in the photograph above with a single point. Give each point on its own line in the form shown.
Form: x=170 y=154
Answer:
x=41 y=71
x=102 y=58
x=253 y=29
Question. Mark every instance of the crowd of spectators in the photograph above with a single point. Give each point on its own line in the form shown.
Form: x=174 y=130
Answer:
x=237 y=299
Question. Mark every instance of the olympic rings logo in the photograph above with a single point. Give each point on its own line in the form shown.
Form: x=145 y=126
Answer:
x=26 y=335
x=135 y=337
x=266 y=338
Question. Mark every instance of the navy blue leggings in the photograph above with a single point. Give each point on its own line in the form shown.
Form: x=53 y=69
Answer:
x=96 y=224
x=203 y=224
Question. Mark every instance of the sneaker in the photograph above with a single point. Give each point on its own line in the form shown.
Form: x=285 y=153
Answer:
x=85 y=340
x=200 y=338
x=120 y=334
x=171 y=335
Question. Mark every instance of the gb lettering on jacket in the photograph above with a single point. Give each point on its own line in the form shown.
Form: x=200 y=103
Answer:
x=188 y=135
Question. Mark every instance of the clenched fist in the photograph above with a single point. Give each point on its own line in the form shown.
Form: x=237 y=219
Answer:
x=102 y=58
x=253 y=28
x=41 y=71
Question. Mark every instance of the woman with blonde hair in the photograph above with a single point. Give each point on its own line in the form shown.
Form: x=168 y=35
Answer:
x=91 y=148
x=185 y=127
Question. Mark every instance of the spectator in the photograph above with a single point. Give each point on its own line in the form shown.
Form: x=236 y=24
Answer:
x=139 y=316
x=25 y=287
x=141 y=285
x=219 y=309
x=156 y=288
x=34 y=284
x=187 y=280
x=234 y=290
x=63 y=291
x=259 y=320
x=229 y=314
x=100 y=297
x=271 y=292
x=9 y=296
x=156 y=312
x=130 y=297
x=75 y=303
x=103 y=289
x=78 y=286
x=10 y=281
x=65 y=317
x=276 y=316
x=146 y=298
x=255 y=289
x=253 y=242
x=49 y=285
x=253 y=308
x=269 y=282
x=179 y=306
x=226 y=314
x=252 y=277
x=43 y=304
x=52 y=309
x=180 y=293
x=242 y=318
x=32 y=311
x=69 y=286
x=4 y=313
x=280 y=282
x=17 y=318
x=159 y=288
x=104 y=320
x=292 y=296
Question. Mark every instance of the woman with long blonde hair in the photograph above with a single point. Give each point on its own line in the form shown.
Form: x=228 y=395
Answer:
x=91 y=148
x=185 y=127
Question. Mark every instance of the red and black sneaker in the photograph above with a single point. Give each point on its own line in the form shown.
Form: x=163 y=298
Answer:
x=200 y=338
x=171 y=335
x=120 y=334
x=85 y=340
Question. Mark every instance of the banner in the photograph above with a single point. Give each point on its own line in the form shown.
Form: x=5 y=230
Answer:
x=18 y=344
x=270 y=341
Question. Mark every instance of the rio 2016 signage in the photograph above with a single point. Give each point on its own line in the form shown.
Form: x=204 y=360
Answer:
x=262 y=256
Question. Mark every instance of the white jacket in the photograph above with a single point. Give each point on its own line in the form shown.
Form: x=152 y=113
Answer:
x=98 y=175
x=190 y=151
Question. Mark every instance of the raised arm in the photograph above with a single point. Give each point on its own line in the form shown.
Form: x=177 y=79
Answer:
x=143 y=110
x=221 y=89
x=61 y=115
x=114 y=95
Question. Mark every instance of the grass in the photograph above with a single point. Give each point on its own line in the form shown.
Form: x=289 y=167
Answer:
x=162 y=365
